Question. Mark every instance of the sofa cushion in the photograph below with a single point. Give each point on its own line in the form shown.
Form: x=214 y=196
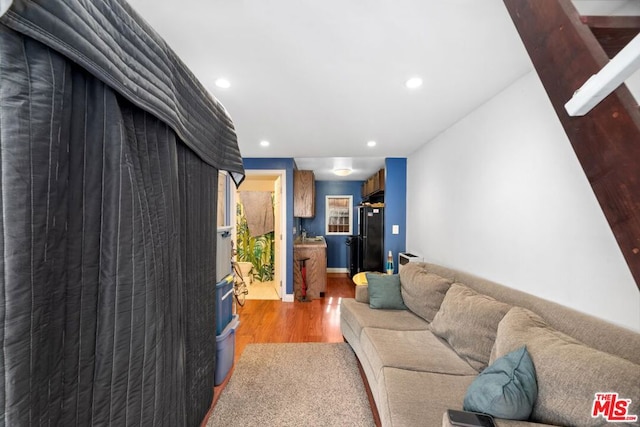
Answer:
x=468 y=321
x=413 y=350
x=569 y=373
x=506 y=389
x=410 y=398
x=358 y=315
x=384 y=291
x=422 y=292
x=362 y=293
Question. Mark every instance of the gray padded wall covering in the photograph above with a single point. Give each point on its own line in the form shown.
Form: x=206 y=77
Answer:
x=109 y=39
x=198 y=238
x=108 y=239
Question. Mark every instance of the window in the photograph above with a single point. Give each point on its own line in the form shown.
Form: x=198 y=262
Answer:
x=339 y=214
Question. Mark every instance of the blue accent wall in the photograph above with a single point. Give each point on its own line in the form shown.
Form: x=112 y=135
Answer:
x=336 y=245
x=395 y=207
x=395 y=210
x=288 y=165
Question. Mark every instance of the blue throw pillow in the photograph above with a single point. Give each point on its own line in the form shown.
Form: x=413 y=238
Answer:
x=505 y=389
x=384 y=291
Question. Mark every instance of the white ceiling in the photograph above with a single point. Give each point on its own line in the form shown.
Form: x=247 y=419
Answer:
x=318 y=79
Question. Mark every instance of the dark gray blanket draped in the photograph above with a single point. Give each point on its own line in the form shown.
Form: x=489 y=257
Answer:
x=108 y=248
x=108 y=39
x=198 y=183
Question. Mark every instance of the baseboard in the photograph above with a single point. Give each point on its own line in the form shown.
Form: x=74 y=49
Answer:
x=337 y=270
x=288 y=298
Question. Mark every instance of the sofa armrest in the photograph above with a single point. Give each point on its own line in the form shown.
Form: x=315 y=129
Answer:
x=499 y=423
x=362 y=293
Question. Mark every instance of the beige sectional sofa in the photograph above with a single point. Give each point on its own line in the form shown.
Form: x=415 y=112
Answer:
x=420 y=361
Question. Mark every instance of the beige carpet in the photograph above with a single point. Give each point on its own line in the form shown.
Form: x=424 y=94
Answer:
x=309 y=384
x=262 y=290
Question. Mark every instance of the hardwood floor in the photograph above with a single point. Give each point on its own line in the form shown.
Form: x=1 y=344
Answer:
x=269 y=321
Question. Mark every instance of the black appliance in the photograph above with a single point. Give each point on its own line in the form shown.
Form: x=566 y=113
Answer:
x=371 y=233
x=353 y=254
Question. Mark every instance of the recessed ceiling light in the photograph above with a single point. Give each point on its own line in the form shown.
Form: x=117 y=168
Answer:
x=264 y=143
x=371 y=144
x=223 y=83
x=413 y=83
x=343 y=171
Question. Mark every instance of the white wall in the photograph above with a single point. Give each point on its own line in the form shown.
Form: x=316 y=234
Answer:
x=502 y=195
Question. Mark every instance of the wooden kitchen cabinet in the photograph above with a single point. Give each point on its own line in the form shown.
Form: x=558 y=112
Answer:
x=316 y=250
x=374 y=184
x=304 y=194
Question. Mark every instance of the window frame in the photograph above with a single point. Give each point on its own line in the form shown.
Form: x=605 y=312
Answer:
x=341 y=218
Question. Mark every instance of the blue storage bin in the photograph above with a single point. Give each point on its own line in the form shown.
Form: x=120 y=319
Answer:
x=225 y=350
x=223 y=253
x=224 y=303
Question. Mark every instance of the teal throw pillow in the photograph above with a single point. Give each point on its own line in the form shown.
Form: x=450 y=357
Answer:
x=505 y=389
x=385 y=292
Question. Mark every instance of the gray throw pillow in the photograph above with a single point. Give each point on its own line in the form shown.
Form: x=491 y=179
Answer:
x=506 y=389
x=468 y=321
x=384 y=291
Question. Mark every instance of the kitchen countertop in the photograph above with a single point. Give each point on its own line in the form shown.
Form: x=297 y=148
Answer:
x=310 y=242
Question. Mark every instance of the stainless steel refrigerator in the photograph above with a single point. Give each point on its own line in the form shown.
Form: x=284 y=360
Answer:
x=371 y=238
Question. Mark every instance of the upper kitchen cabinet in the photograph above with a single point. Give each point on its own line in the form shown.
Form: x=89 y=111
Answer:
x=373 y=188
x=304 y=194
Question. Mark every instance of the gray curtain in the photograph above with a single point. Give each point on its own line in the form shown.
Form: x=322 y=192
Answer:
x=108 y=248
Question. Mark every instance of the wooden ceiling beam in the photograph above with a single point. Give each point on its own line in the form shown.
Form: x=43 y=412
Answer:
x=606 y=141
x=609 y=78
x=600 y=21
x=613 y=32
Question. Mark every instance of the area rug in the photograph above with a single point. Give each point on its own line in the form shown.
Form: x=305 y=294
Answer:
x=308 y=384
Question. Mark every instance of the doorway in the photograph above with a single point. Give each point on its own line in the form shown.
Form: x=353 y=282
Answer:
x=263 y=249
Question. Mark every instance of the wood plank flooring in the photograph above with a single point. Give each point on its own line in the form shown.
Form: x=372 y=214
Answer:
x=263 y=321
x=269 y=321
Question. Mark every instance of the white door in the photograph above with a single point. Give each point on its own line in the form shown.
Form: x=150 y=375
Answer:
x=277 y=213
x=272 y=180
